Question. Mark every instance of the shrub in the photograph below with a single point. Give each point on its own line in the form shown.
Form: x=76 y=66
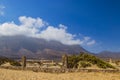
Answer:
x=12 y=62
x=3 y=60
x=15 y=63
x=72 y=61
x=83 y=64
x=86 y=60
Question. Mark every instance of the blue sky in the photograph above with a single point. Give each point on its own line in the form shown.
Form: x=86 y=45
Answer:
x=97 y=19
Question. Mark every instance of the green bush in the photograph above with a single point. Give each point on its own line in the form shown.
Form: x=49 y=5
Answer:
x=12 y=62
x=86 y=60
x=3 y=60
x=102 y=64
x=83 y=64
x=15 y=63
x=72 y=61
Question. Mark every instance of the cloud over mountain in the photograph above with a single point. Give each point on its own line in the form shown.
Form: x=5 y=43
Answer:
x=36 y=27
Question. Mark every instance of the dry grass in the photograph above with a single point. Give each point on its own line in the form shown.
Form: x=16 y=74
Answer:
x=29 y=75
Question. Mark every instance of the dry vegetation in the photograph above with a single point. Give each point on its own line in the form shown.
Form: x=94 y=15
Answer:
x=29 y=75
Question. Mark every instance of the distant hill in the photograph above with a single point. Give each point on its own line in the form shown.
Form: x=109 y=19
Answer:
x=17 y=46
x=108 y=54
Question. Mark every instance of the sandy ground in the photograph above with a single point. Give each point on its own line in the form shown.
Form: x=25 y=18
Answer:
x=6 y=74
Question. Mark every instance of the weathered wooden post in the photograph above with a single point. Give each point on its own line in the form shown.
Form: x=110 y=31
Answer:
x=23 y=62
x=65 y=61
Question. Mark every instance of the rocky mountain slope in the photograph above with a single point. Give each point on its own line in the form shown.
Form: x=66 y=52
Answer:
x=17 y=46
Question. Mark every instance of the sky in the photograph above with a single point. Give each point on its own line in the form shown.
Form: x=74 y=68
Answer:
x=93 y=24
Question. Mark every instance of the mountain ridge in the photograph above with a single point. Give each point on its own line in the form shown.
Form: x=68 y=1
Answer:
x=17 y=46
x=109 y=54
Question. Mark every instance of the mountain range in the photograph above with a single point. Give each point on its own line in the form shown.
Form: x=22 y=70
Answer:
x=36 y=48
x=108 y=55
x=18 y=46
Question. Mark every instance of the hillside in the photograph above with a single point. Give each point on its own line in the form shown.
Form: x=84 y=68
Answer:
x=17 y=46
x=108 y=54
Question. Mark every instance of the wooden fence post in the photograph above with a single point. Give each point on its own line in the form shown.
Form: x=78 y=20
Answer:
x=23 y=62
x=65 y=61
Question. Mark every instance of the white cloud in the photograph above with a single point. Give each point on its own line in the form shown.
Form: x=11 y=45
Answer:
x=87 y=41
x=59 y=34
x=62 y=26
x=31 y=22
x=29 y=27
x=2 y=7
x=87 y=38
x=36 y=27
x=91 y=42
